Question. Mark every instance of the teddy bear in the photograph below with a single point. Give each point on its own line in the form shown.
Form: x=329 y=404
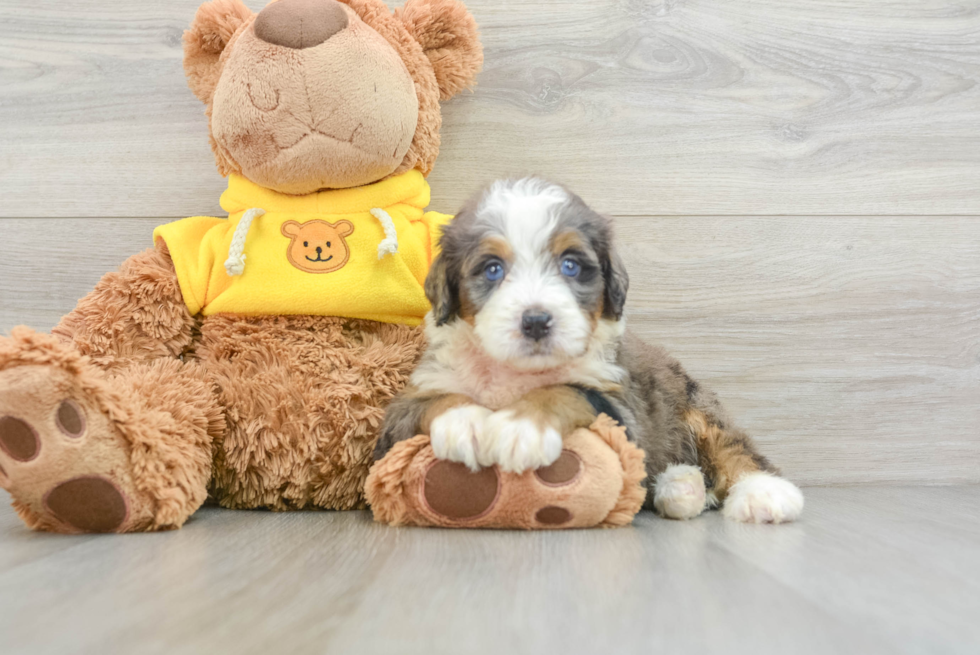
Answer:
x=249 y=359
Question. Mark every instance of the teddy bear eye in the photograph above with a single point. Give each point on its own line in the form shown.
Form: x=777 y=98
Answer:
x=328 y=244
x=306 y=244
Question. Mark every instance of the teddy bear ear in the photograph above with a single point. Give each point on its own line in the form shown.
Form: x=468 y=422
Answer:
x=213 y=26
x=449 y=37
x=290 y=229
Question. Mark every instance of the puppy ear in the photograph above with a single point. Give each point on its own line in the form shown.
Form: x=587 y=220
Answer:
x=213 y=26
x=448 y=35
x=442 y=290
x=617 y=284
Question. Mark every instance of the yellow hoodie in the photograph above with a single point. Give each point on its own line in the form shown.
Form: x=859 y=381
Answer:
x=356 y=253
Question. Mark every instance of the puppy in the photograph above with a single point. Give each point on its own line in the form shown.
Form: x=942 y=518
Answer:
x=527 y=342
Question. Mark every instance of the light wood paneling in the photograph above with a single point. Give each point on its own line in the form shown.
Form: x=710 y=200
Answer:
x=645 y=106
x=850 y=348
x=871 y=570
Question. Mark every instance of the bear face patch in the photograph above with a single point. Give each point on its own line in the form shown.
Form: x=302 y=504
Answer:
x=318 y=246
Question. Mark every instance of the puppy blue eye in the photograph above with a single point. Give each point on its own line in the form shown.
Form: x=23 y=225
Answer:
x=570 y=267
x=494 y=271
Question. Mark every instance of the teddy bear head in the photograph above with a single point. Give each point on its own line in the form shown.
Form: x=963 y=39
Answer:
x=327 y=94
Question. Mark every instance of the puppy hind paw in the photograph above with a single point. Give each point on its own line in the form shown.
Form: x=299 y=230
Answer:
x=679 y=492
x=763 y=498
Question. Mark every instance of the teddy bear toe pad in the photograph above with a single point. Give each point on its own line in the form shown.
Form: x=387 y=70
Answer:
x=18 y=439
x=563 y=471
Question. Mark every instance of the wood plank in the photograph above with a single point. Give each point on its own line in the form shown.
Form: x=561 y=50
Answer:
x=867 y=570
x=645 y=107
x=849 y=347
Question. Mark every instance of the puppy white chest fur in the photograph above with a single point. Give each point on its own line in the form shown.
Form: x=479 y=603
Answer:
x=456 y=363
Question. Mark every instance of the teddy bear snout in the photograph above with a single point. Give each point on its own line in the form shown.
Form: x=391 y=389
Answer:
x=300 y=24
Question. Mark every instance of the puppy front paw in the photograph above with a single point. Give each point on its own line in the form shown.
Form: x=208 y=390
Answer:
x=517 y=443
x=456 y=433
x=763 y=498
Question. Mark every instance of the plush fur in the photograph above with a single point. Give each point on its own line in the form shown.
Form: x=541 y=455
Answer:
x=134 y=411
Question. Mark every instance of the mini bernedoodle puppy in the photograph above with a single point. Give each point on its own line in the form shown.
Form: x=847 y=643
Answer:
x=527 y=342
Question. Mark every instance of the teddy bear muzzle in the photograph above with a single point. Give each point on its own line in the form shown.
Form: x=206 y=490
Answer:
x=300 y=24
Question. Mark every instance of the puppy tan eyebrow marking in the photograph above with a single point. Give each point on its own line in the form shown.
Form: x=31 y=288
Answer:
x=568 y=240
x=492 y=246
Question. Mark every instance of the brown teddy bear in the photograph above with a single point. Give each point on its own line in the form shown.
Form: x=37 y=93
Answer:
x=250 y=357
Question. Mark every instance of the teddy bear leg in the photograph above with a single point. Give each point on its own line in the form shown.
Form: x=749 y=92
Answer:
x=305 y=397
x=86 y=451
x=135 y=314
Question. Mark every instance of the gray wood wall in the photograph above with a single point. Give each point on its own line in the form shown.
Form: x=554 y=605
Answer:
x=797 y=189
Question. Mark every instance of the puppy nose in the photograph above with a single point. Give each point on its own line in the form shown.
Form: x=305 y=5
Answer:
x=300 y=24
x=536 y=324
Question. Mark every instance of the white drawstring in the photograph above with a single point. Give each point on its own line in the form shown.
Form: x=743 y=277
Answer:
x=235 y=264
x=388 y=245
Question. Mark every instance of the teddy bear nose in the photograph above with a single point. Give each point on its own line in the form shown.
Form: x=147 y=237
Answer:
x=300 y=24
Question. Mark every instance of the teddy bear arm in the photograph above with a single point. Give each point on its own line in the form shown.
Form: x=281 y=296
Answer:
x=597 y=481
x=134 y=314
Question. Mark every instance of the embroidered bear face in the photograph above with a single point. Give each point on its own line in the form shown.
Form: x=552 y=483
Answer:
x=318 y=246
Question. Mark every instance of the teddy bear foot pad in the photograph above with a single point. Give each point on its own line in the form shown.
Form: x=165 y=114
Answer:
x=452 y=491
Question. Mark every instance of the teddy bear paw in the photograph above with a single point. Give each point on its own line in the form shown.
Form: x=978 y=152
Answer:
x=60 y=457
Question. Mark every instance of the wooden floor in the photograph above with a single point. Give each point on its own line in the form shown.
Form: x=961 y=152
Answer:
x=867 y=570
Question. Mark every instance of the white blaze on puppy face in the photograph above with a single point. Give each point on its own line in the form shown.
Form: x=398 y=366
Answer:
x=527 y=214
x=503 y=255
